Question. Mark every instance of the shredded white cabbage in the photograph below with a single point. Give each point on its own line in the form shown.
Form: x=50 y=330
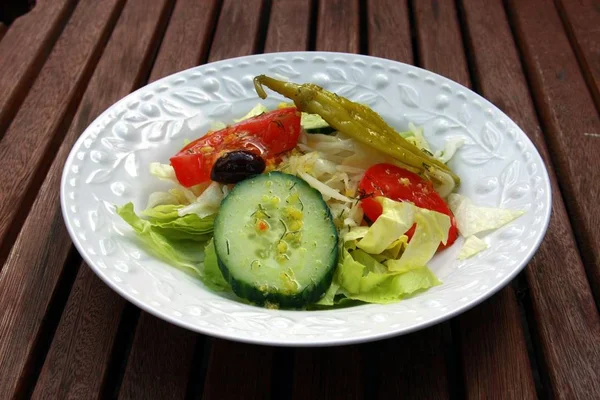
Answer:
x=207 y=203
x=325 y=190
x=450 y=148
x=164 y=172
x=161 y=198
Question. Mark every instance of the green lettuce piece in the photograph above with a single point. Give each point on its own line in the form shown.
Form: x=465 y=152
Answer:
x=395 y=219
x=182 y=253
x=472 y=246
x=432 y=229
x=362 y=282
x=212 y=276
x=328 y=298
x=166 y=220
x=471 y=219
x=256 y=111
x=369 y=261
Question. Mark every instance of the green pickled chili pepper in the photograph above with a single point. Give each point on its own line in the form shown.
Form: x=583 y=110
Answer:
x=356 y=121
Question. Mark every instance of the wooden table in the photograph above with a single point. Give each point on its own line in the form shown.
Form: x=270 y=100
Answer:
x=64 y=334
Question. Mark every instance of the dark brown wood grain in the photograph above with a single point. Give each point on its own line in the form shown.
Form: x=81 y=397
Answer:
x=238 y=371
x=187 y=39
x=24 y=147
x=29 y=277
x=2 y=30
x=566 y=319
x=442 y=51
x=237 y=29
x=388 y=30
x=410 y=367
x=493 y=350
x=159 y=364
x=570 y=120
x=76 y=364
x=289 y=26
x=23 y=50
x=330 y=373
x=338 y=26
x=582 y=22
x=439 y=39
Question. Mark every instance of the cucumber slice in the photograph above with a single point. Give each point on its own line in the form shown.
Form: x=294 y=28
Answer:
x=313 y=123
x=276 y=242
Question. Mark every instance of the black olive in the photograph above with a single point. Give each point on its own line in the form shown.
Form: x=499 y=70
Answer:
x=236 y=166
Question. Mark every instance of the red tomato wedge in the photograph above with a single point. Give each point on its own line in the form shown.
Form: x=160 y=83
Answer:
x=401 y=185
x=267 y=135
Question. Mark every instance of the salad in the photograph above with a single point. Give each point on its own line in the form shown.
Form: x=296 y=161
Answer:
x=317 y=203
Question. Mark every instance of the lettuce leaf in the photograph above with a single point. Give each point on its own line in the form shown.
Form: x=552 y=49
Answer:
x=387 y=231
x=362 y=282
x=257 y=110
x=394 y=221
x=471 y=219
x=471 y=246
x=178 y=250
x=207 y=203
x=178 y=240
x=166 y=219
x=328 y=298
x=432 y=228
x=212 y=276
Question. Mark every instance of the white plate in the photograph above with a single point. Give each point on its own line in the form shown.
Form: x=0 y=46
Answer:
x=109 y=165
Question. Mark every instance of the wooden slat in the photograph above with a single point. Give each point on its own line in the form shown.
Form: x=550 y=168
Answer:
x=338 y=26
x=389 y=30
x=187 y=38
x=582 y=22
x=75 y=366
x=23 y=50
x=490 y=336
x=237 y=29
x=439 y=40
x=570 y=119
x=24 y=147
x=441 y=50
x=30 y=275
x=566 y=318
x=161 y=354
x=248 y=369
x=160 y=361
x=329 y=373
x=289 y=19
x=2 y=30
x=417 y=363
